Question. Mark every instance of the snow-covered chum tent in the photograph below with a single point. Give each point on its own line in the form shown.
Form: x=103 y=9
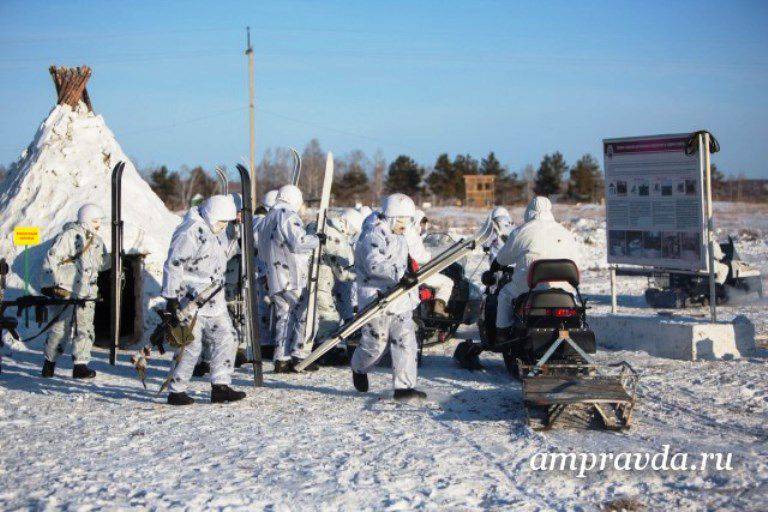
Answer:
x=68 y=164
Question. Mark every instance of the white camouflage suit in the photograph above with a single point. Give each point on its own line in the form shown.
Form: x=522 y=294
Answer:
x=197 y=258
x=540 y=237
x=501 y=232
x=73 y=263
x=335 y=277
x=232 y=278
x=381 y=259
x=264 y=307
x=285 y=248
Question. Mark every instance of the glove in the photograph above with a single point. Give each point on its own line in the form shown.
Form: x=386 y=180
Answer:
x=61 y=293
x=322 y=237
x=495 y=267
x=409 y=280
x=172 y=307
x=488 y=278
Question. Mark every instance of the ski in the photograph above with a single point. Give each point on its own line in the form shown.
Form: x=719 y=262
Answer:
x=116 y=270
x=224 y=180
x=249 y=280
x=379 y=306
x=296 y=167
x=310 y=328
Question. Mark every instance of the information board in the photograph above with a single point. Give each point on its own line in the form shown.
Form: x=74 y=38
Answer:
x=654 y=202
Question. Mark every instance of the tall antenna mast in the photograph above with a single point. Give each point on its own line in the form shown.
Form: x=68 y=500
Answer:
x=252 y=112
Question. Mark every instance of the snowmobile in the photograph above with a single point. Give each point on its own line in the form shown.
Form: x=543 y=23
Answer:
x=463 y=306
x=679 y=289
x=548 y=348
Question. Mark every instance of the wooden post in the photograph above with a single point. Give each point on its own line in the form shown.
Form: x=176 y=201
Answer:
x=704 y=158
x=252 y=115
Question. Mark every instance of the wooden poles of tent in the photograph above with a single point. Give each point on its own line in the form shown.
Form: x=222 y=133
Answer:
x=70 y=85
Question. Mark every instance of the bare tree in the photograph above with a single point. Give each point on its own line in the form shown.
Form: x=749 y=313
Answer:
x=379 y=169
x=312 y=169
x=529 y=176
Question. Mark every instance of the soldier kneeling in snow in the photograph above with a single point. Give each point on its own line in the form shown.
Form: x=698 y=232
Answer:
x=381 y=262
x=197 y=259
x=70 y=271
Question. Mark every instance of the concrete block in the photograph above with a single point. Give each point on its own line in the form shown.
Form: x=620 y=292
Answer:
x=676 y=337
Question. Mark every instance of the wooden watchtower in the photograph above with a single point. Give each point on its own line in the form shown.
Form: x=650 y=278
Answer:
x=479 y=189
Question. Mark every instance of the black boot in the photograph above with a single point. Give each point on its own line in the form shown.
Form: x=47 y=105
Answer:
x=221 y=393
x=360 y=380
x=311 y=368
x=283 y=366
x=409 y=394
x=180 y=399
x=81 y=371
x=48 y=368
x=241 y=358
x=201 y=369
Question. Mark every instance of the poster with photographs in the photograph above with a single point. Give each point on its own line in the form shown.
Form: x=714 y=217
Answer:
x=654 y=202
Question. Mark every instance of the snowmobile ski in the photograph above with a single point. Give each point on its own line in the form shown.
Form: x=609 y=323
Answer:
x=379 y=306
x=310 y=328
x=249 y=276
x=116 y=270
x=296 y=167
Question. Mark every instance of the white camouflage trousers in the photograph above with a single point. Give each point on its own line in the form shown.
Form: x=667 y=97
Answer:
x=219 y=334
x=75 y=325
x=290 y=310
x=264 y=310
x=397 y=330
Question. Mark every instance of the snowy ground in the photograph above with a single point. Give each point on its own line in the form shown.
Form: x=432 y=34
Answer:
x=311 y=442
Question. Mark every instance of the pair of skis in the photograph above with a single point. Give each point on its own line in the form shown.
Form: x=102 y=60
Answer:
x=310 y=329
x=116 y=270
x=249 y=276
x=436 y=265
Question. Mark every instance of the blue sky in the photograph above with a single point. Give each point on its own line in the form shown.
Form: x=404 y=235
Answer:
x=421 y=78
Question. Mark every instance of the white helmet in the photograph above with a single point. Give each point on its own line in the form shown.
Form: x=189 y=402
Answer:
x=539 y=208
x=218 y=209
x=398 y=205
x=292 y=195
x=353 y=219
x=90 y=216
x=500 y=213
x=269 y=199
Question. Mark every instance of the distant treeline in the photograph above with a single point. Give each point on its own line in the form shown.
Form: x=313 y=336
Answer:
x=363 y=179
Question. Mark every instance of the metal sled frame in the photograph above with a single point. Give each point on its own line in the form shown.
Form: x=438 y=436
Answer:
x=550 y=389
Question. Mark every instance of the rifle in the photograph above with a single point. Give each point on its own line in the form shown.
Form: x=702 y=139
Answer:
x=178 y=331
x=40 y=305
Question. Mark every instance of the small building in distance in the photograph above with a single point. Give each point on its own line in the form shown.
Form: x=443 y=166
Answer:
x=479 y=189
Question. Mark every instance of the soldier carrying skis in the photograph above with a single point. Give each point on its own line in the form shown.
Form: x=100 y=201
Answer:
x=197 y=259
x=70 y=271
x=381 y=262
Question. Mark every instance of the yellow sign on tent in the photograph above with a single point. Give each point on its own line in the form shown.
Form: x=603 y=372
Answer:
x=26 y=235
